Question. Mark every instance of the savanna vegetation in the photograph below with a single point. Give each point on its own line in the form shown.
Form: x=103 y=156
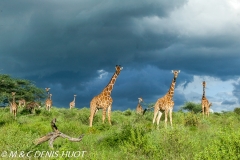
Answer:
x=131 y=136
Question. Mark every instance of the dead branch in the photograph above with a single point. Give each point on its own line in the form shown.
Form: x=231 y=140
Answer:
x=55 y=134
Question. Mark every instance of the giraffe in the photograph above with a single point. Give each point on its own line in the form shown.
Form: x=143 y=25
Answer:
x=14 y=105
x=205 y=103
x=21 y=103
x=139 y=108
x=72 y=104
x=166 y=103
x=31 y=106
x=104 y=99
x=48 y=101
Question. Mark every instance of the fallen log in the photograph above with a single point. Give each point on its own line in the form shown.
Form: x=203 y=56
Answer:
x=55 y=134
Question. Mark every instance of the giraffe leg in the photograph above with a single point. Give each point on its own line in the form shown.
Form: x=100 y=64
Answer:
x=207 y=111
x=14 y=113
x=166 y=115
x=109 y=114
x=155 y=115
x=203 y=110
x=170 y=115
x=92 y=113
x=159 y=117
x=104 y=114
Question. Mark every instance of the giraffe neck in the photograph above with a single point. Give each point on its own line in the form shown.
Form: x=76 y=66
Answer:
x=171 y=89
x=203 y=96
x=110 y=85
x=13 y=99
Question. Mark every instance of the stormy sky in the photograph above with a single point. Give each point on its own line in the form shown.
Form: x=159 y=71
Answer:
x=73 y=47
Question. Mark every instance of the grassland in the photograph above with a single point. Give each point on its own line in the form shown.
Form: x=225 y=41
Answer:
x=131 y=136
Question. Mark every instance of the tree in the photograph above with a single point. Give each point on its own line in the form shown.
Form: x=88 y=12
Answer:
x=24 y=89
x=236 y=110
x=192 y=107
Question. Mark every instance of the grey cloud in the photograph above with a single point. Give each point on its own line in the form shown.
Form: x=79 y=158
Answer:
x=231 y=102
x=62 y=45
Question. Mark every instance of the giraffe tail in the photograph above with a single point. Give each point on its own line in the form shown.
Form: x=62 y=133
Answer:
x=145 y=110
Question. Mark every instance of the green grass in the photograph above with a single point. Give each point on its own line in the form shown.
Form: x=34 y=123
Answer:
x=131 y=136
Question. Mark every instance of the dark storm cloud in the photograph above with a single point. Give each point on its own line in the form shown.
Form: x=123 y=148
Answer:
x=64 y=44
x=74 y=32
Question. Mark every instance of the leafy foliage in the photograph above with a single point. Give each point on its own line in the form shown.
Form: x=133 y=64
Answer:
x=192 y=107
x=236 y=110
x=24 y=89
x=131 y=136
x=191 y=119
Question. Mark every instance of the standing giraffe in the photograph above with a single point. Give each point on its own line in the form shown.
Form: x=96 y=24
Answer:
x=205 y=103
x=48 y=101
x=22 y=103
x=166 y=103
x=14 y=105
x=104 y=99
x=139 y=108
x=72 y=104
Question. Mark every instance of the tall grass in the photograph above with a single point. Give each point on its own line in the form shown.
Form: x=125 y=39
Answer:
x=131 y=136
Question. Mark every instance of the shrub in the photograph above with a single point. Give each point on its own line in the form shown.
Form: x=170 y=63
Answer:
x=237 y=110
x=191 y=119
x=127 y=112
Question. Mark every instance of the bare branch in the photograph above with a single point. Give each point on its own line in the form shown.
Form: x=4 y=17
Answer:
x=55 y=134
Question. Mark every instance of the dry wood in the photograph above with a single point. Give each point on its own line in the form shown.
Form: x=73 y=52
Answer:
x=55 y=134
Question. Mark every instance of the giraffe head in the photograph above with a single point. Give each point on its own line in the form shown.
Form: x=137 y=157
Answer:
x=47 y=89
x=210 y=104
x=118 y=69
x=175 y=72
x=204 y=84
x=140 y=100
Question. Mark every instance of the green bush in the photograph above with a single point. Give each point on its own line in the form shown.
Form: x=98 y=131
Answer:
x=236 y=110
x=191 y=119
x=127 y=112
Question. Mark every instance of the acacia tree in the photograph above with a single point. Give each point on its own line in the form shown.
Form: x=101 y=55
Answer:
x=192 y=107
x=24 y=89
